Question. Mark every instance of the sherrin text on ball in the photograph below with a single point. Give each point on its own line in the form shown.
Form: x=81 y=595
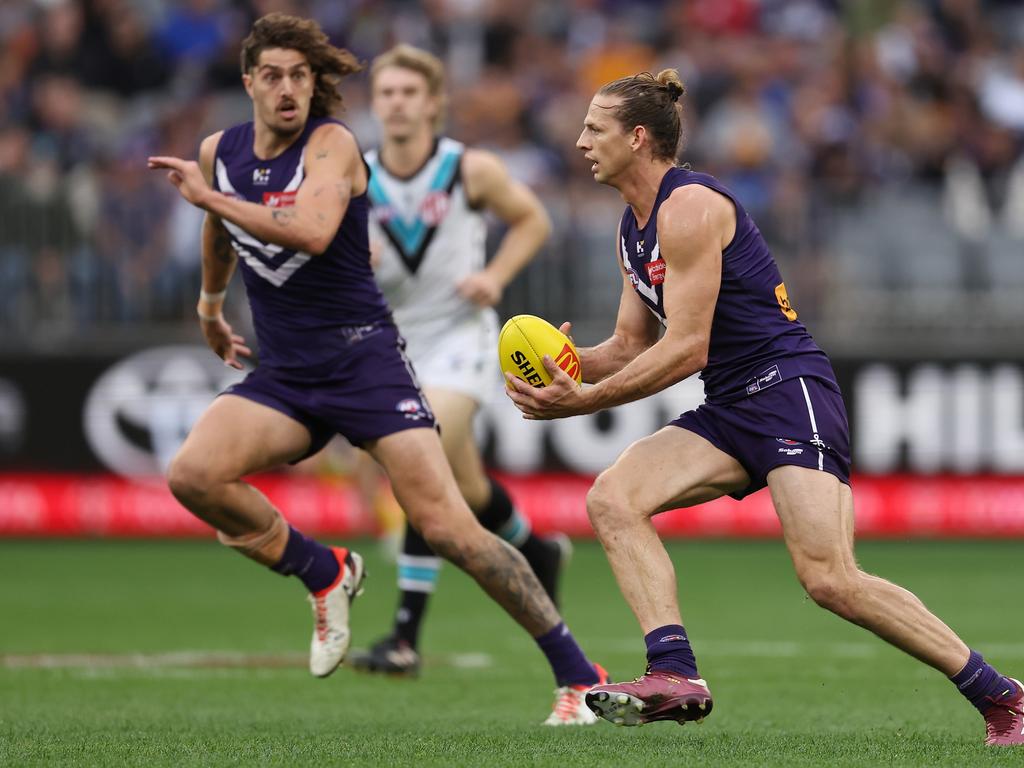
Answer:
x=522 y=344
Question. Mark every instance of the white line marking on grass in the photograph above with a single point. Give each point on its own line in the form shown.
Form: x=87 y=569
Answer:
x=202 y=660
x=1010 y=650
x=172 y=659
x=470 y=660
x=174 y=673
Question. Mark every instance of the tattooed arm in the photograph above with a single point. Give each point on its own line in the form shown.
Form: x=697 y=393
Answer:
x=218 y=263
x=218 y=260
x=218 y=256
x=333 y=169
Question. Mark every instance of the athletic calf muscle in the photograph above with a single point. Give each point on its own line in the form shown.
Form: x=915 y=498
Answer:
x=505 y=575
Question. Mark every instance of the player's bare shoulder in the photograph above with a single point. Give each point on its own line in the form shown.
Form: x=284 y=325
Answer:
x=490 y=185
x=484 y=175
x=694 y=213
x=207 y=153
x=333 y=147
x=332 y=137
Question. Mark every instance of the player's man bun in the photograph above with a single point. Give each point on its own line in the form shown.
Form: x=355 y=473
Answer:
x=670 y=79
x=653 y=103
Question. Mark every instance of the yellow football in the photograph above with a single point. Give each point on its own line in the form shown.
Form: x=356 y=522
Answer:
x=522 y=344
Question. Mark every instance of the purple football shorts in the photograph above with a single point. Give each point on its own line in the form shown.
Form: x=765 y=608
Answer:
x=367 y=391
x=799 y=422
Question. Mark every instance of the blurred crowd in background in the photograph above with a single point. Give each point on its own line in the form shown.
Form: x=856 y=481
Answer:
x=878 y=145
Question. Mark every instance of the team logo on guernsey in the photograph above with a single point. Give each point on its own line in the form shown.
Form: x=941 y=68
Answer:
x=261 y=176
x=434 y=207
x=410 y=212
x=273 y=263
x=383 y=213
x=412 y=408
x=431 y=211
x=568 y=361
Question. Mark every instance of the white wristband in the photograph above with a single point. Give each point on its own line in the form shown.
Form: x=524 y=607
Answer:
x=213 y=297
x=208 y=318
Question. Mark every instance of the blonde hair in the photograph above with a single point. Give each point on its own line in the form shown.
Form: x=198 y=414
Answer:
x=651 y=101
x=417 y=60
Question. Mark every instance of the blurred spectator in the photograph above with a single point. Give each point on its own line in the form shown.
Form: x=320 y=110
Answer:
x=60 y=41
x=57 y=117
x=879 y=144
x=130 y=63
x=1001 y=90
x=39 y=240
x=193 y=31
x=743 y=142
x=131 y=239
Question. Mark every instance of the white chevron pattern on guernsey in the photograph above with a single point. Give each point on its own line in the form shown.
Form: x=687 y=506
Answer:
x=245 y=243
x=640 y=285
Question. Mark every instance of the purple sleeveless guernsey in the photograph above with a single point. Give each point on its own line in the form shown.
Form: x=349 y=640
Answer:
x=303 y=305
x=756 y=339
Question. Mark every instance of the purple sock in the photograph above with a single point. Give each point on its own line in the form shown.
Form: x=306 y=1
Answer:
x=980 y=683
x=314 y=564
x=668 y=650
x=566 y=658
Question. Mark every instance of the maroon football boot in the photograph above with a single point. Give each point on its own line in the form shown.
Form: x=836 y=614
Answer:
x=657 y=695
x=1004 y=720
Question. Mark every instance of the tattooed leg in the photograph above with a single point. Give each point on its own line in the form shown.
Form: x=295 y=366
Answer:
x=426 y=489
x=501 y=570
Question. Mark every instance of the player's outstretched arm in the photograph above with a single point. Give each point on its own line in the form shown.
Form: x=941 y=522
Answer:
x=489 y=185
x=332 y=165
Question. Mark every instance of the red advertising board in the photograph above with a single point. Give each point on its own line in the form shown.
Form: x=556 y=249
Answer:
x=889 y=506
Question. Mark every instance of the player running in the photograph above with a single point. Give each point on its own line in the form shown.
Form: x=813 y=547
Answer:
x=428 y=195
x=694 y=262
x=287 y=194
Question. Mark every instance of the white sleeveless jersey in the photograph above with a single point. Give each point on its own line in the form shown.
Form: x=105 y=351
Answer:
x=428 y=239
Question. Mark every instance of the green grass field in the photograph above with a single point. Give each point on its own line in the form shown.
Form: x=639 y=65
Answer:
x=793 y=686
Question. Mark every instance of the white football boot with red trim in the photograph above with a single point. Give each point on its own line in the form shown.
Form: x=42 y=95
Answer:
x=331 y=633
x=570 y=703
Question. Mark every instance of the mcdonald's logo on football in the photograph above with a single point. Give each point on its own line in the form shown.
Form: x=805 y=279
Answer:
x=569 y=361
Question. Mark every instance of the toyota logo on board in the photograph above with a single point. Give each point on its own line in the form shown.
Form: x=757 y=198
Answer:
x=140 y=410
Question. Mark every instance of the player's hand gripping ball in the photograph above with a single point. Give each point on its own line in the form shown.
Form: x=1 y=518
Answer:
x=522 y=344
